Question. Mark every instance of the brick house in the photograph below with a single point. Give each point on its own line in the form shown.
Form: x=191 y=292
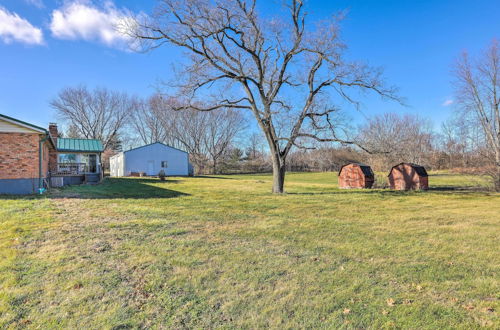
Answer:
x=32 y=157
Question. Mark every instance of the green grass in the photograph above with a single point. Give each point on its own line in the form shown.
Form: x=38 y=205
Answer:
x=222 y=252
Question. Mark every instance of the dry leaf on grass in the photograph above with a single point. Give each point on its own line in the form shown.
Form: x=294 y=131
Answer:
x=390 y=302
x=78 y=286
x=346 y=311
x=468 y=307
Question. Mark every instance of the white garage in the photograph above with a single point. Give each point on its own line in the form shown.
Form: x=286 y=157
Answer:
x=151 y=159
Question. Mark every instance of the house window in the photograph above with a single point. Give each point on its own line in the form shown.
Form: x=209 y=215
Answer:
x=67 y=158
x=164 y=164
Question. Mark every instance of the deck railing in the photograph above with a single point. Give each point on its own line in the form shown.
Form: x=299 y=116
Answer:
x=69 y=169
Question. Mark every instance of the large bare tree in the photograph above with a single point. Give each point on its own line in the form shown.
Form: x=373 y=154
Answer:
x=94 y=114
x=288 y=74
x=477 y=86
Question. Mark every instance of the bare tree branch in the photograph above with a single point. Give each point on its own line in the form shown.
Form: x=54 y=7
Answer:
x=276 y=68
x=98 y=114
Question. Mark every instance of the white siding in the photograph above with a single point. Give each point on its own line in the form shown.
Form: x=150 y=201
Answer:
x=117 y=165
x=148 y=159
x=6 y=127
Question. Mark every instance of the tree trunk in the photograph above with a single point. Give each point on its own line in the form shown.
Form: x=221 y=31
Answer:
x=279 y=171
x=497 y=178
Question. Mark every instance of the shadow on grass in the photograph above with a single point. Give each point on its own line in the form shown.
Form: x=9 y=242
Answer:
x=461 y=189
x=389 y=192
x=266 y=174
x=441 y=174
x=149 y=180
x=120 y=188
x=211 y=177
x=20 y=197
x=351 y=191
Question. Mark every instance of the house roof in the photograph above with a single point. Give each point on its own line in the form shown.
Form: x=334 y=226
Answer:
x=29 y=126
x=90 y=145
x=147 y=145
x=24 y=124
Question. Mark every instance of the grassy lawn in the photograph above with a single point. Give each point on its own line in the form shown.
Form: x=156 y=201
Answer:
x=212 y=252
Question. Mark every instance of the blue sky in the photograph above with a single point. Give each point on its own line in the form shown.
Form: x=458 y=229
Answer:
x=45 y=47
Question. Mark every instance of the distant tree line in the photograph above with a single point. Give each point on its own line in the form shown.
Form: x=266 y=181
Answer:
x=219 y=142
x=293 y=79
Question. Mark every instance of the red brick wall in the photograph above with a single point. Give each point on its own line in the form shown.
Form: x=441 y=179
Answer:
x=424 y=183
x=404 y=177
x=19 y=155
x=53 y=160
x=352 y=176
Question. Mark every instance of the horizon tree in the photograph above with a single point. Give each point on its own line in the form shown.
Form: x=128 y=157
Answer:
x=71 y=132
x=147 y=119
x=94 y=114
x=207 y=136
x=392 y=137
x=477 y=89
x=222 y=129
x=290 y=75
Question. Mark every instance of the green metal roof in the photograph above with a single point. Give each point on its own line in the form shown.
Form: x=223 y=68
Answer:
x=89 y=145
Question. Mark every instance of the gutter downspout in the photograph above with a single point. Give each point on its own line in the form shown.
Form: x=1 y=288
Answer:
x=40 y=165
